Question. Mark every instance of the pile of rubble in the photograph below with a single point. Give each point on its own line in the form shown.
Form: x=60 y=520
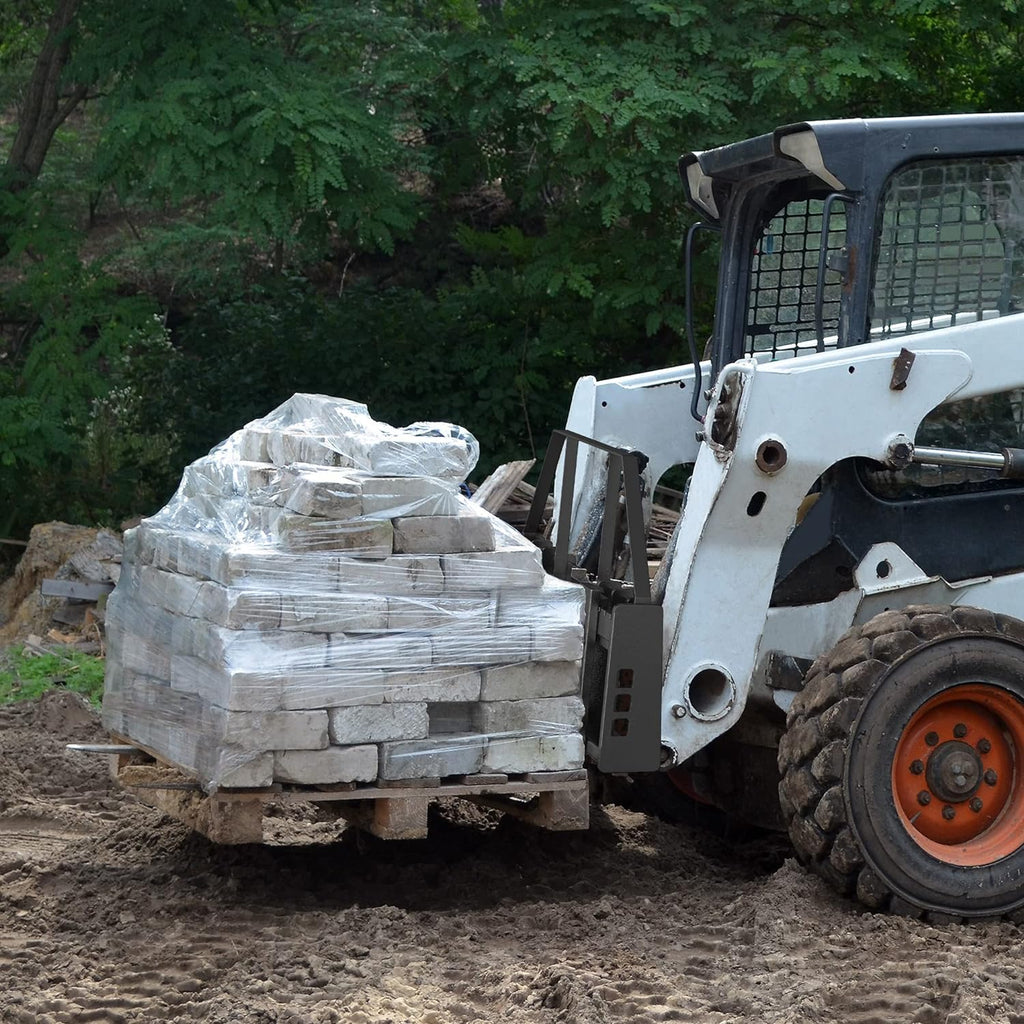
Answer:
x=320 y=604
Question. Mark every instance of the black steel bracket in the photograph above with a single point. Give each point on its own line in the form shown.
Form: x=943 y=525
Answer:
x=624 y=469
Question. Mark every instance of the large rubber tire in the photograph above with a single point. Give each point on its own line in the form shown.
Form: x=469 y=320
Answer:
x=866 y=790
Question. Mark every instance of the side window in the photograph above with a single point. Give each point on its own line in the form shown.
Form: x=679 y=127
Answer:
x=784 y=276
x=951 y=251
x=951 y=245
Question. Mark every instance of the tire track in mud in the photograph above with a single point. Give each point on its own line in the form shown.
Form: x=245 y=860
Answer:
x=110 y=912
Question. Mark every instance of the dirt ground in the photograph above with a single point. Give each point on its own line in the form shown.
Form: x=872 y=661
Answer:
x=111 y=912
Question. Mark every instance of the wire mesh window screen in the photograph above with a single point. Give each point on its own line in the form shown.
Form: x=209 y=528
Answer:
x=784 y=277
x=950 y=245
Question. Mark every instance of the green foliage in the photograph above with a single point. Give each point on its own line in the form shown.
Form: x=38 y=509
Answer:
x=72 y=332
x=257 y=109
x=448 y=210
x=463 y=356
x=24 y=674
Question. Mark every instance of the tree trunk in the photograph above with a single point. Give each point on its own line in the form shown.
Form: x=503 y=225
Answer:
x=44 y=109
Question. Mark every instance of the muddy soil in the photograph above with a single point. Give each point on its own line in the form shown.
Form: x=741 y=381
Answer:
x=111 y=912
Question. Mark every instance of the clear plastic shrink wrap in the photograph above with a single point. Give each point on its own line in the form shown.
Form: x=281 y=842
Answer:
x=318 y=604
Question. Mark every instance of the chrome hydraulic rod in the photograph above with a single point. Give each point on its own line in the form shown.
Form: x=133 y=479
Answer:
x=952 y=457
x=1009 y=462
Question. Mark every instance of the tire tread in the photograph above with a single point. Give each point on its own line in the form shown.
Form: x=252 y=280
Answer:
x=819 y=726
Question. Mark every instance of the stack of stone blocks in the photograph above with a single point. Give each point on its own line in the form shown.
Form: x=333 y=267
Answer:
x=318 y=604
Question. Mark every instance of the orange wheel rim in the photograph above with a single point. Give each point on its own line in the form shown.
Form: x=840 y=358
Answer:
x=955 y=777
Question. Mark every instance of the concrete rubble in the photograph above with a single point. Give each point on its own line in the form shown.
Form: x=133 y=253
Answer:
x=318 y=604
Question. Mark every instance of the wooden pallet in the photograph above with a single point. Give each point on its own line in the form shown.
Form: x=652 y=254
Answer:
x=390 y=810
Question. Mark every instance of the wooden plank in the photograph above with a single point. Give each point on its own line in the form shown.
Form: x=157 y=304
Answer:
x=231 y=822
x=70 y=615
x=551 y=800
x=560 y=810
x=297 y=795
x=498 y=487
x=226 y=821
x=75 y=589
x=391 y=818
x=431 y=783
x=482 y=780
x=400 y=819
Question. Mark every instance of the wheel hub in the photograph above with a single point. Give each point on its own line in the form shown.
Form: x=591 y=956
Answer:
x=954 y=771
x=954 y=774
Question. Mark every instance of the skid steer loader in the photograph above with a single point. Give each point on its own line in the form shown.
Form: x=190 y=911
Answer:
x=843 y=595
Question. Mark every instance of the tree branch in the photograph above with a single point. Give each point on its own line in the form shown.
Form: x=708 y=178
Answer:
x=42 y=112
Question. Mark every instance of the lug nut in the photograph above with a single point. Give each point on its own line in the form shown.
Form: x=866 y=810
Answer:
x=948 y=813
x=931 y=739
x=916 y=767
x=959 y=730
x=924 y=798
x=976 y=804
x=984 y=746
x=990 y=776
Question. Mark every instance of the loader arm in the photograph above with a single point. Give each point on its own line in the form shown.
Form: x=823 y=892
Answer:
x=785 y=424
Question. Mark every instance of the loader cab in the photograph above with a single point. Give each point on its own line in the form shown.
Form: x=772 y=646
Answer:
x=838 y=233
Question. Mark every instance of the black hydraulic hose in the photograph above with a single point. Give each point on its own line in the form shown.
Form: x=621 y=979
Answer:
x=698 y=384
x=688 y=298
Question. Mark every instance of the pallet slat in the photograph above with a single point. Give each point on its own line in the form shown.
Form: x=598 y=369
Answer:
x=551 y=800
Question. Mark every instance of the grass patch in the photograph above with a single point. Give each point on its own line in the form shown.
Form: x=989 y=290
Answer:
x=24 y=675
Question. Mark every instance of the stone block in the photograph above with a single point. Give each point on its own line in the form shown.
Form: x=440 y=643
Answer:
x=451 y=684
x=404 y=497
x=548 y=716
x=321 y=491
x=439 y=535
x=483 y=646
x=516 y=754
x=397 y=454
x=399 y=574
x=273 y=689
x=357 y=538
x=287 y=447
x=228 y=688
x=386 y=651
x=556 y=601
x=258 y=565
x=332 y=688
x=334 y=613
x=503 y=569
x=145 y=655
x=186 y=731
x=557 y=641
x=375 y=724
x=272 y=730
x=252 y=443
x=213 y=602
x=432 y=758
x=323 y=767
x=194 y=554
x=431 y=612
x=217 y=476
x=530 y=679
x=244 y=649
x=235 y=608
x=241 y=771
